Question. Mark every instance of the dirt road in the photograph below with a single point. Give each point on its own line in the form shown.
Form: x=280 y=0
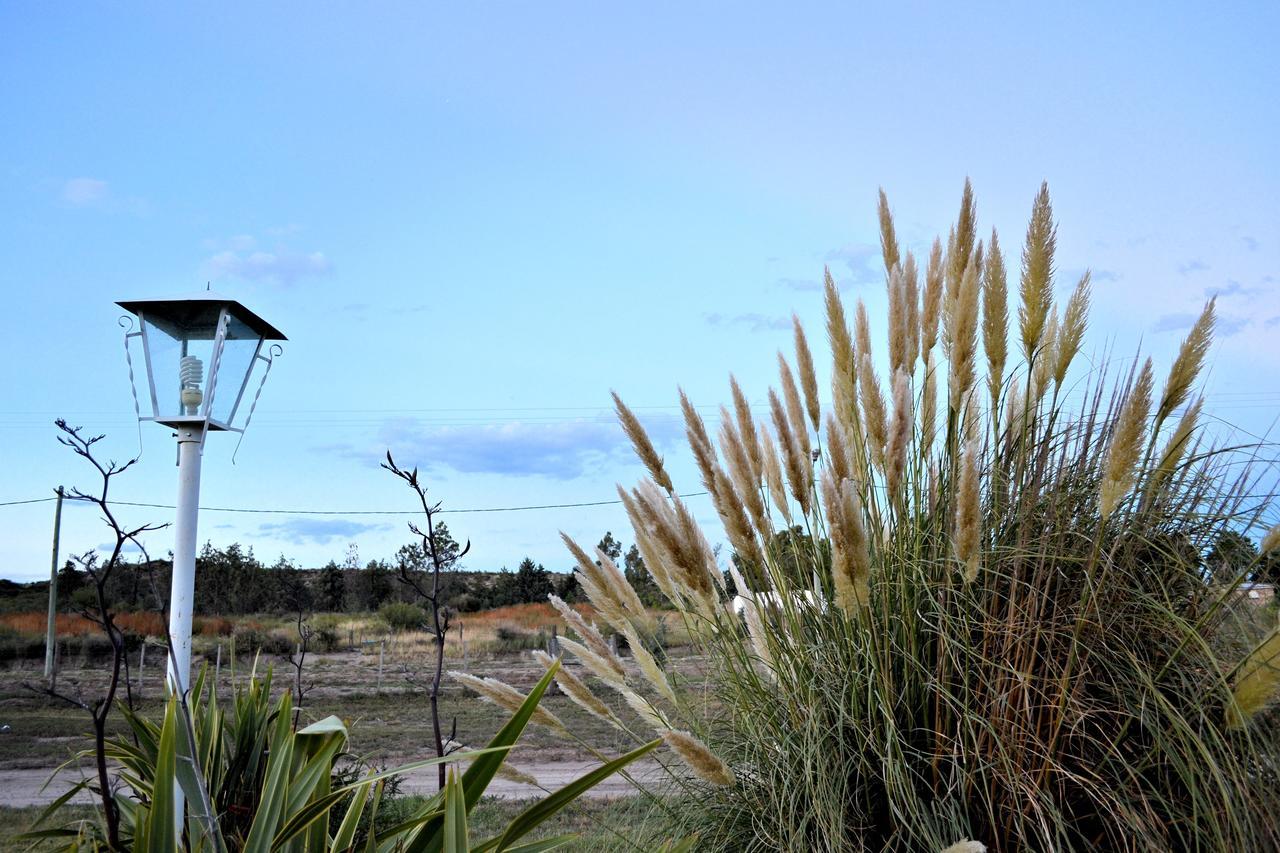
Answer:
x=27 y=787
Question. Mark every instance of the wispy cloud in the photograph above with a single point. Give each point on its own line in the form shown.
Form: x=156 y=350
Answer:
x=561 y=451
x=83 y=192
x=863 y=261
x=1104 y=275
x=317 y=531
x=754 y=322
x=1193 y=265
x=282 y=266
x=812 y=285
x=1250 y=243
x=1233 y=288
x=1224 y=327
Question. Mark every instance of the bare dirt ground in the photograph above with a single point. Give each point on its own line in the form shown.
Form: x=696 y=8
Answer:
x=389 y=722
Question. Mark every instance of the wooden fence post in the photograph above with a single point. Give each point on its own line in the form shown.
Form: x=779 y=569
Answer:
x=382 y=652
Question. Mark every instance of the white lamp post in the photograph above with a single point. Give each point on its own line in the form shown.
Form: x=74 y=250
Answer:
x=179 y=338
x=200 y=354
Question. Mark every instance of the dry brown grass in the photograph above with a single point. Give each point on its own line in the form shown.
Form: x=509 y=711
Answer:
x=32 y=623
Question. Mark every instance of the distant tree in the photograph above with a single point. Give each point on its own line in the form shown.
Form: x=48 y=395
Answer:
x=1231 y=555
x=70 y=579
x=292 y=592
x=567 y=587
x=333 y=587
x=530 y=582
x=533 y=582
x=413 y=561
x=230 y=580
x=378 y=584
x=611 y=547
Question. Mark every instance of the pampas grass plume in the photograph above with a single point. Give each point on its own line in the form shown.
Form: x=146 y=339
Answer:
x=796 y=463
x=968 y=528
x=1187 y=366
x=701 y=760
x=900 y=432
x=1257 y=681
x=966 y=846
x=931 y=308
x=1119 y=469
x=1037 y=272
x=995 y=317
x=808 y=378
x=746 y=427
x=577 y=691
x=507 y=697
x=795 y=409
x=888 y=239
x=643 y=446
x=1270 y=542
x=1071 y=331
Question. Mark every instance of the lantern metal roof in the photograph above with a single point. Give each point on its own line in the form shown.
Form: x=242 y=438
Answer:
x=202 y=307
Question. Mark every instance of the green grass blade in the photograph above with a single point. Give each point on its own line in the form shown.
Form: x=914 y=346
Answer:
x=275 y=788
x=351 y=820
x=162 y=813
x=455 y=817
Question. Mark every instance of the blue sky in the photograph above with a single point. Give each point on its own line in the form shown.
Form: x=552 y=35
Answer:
x=474 y=220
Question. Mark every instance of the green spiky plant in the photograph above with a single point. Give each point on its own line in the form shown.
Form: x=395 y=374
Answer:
x=254 y=784
x=997 y=627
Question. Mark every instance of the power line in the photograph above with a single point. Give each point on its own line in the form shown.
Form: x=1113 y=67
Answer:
x=351 y=512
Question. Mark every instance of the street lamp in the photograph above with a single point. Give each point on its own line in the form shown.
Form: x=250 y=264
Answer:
x=200 y=353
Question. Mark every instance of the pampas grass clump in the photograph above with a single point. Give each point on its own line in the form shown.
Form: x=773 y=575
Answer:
x=990 y=620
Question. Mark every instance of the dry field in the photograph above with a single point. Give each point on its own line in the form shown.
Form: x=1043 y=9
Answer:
x=378 y=688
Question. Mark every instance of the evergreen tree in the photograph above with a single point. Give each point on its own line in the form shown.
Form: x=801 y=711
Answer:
x=378 y=583
x=333 y=587
x=611 y=547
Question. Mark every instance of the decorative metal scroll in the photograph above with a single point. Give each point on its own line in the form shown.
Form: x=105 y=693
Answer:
x=269 y=358
x=126 y=322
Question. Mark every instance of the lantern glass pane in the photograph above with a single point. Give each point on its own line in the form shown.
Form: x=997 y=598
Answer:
x=233 y=369
x=179 y=357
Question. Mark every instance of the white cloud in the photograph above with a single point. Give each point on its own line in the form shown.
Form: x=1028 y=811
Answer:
x=82 y=192
x=283 y=266
x=302 y=531
x=753 y=321
x=561 y=451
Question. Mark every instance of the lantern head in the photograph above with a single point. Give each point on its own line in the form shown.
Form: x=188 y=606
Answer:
x=200 y=353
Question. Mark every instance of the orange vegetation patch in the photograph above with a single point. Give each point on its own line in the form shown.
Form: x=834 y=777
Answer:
x=74 y=625
x=527 y=616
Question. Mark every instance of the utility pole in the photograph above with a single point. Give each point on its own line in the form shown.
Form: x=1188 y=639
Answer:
x=51 y=633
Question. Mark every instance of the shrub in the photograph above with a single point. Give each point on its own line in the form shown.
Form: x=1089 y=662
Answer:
x=1000 y=627
x=252 y=637
x=401 y=616
x=508 y=639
